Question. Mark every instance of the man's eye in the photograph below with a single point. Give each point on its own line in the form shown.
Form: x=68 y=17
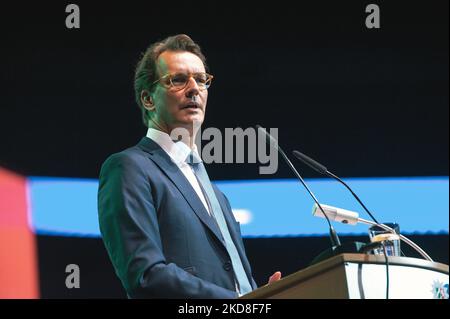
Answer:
x=200 y=79
x=179 y=79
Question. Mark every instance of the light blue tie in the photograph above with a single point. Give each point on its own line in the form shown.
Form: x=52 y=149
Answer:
x=205 y=184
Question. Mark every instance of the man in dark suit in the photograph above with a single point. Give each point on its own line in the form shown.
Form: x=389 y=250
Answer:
x=170 y=233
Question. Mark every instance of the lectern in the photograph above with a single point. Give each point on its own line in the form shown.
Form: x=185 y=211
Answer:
x=361 y=276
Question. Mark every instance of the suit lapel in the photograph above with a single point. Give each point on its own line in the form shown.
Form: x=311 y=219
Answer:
x=171 y=170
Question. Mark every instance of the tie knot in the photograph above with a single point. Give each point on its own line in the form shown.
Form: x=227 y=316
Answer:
x=193 y=158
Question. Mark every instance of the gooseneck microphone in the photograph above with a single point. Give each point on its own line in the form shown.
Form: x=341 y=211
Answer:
x=272 y=142
x=352 y=218
x=324 y=171
x=341 y=215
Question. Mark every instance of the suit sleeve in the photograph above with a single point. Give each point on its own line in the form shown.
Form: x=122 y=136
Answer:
x=129 y=227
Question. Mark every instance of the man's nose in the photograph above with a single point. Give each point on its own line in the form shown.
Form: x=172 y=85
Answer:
x=192 y=88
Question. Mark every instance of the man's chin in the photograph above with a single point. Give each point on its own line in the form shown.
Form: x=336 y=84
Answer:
x=190 y=123
x=192 y=120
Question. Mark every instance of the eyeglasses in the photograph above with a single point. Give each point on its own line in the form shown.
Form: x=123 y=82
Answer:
x=179 y=81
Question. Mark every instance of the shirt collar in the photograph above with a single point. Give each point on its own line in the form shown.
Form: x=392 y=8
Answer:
x=178 y=151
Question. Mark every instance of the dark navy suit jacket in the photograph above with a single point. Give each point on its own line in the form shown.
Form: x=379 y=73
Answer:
x=159 y=236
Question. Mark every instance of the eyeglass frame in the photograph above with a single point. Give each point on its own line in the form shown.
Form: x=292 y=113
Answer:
x=171 y=86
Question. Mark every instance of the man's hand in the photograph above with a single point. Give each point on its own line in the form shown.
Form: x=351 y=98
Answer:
x=275 y=277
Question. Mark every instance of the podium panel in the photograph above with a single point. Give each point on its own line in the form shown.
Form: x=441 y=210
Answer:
x=359 y=276
x=368 y=281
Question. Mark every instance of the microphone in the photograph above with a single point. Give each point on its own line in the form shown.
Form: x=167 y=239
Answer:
x=335 y=242
x=324 y=171
x=337 y=214
x=352 y=218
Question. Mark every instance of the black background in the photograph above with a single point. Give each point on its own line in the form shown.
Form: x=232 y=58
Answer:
x=364 y=102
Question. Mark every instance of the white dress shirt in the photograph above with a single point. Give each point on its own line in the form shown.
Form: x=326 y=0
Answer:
x=178 y=152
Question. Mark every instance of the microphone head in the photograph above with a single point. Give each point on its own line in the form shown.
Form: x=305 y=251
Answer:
x=310 y=162
x=337 y=214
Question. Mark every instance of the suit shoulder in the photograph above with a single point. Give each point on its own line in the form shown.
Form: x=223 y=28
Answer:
x=132 y=157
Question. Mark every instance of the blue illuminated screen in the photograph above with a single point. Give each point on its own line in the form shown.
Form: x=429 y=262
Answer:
x=419 y=205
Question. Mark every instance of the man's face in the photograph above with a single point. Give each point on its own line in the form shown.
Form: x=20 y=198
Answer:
x=174 y=108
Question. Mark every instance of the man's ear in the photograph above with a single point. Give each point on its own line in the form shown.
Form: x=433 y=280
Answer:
x=147 y=100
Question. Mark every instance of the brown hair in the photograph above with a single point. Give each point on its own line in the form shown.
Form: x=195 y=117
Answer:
x=146 y=72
